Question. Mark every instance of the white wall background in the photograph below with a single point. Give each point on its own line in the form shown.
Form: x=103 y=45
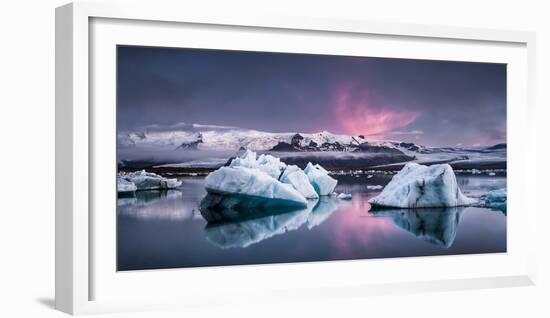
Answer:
x=27 y=155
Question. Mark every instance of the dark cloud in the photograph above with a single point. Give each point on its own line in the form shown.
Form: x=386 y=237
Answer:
x=448 y=102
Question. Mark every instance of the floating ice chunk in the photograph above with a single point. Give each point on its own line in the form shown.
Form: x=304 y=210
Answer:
x=495 y=200
x=124 y=185
x=253 y=183
x=418 y=186
x=273 y=166
x=143 y=180
x=298 y=179
x=248 y=160
x=499 y=195
x=319 y=179
x=263 y=183
x=492 y=174
x=344 y=196
x=374 y=187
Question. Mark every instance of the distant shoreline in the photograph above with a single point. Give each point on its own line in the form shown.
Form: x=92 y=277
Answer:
x=459 y=168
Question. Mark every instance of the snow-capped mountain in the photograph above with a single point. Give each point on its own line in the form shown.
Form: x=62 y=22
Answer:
x=210 y=137
x=208 y=146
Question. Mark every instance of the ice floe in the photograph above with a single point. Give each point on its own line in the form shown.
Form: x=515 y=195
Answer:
x=344 y=196
x=253 y=183
x=142 y=180
x=271 y=165
x=319 y=179
x=418 y=186
x=298 y=179
x=374 y=187
x=124 y=185
x=264 y=182
x=495 y=200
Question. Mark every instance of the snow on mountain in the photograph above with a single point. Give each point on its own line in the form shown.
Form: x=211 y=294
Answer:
x=210 y=137
x=210 y=146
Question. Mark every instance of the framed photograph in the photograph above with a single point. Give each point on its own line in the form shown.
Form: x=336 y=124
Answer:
x=203 y=157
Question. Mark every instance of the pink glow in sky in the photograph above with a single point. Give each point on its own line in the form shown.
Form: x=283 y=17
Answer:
x=358 y=115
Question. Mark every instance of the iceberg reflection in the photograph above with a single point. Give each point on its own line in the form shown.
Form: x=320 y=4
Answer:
x=322 y=211
x=239 y=227
x=155 y=204
x=245 y=233
x=434 y=225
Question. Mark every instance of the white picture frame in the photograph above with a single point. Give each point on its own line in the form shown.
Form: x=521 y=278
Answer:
x=77 y=268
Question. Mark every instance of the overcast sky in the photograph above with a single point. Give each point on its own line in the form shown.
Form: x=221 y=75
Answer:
x=435 y=103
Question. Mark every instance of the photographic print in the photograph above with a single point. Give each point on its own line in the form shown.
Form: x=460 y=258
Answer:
x=240 y=158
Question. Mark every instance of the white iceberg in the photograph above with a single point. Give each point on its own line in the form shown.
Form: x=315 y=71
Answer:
x=143 y=180
x=298 y=179
x=374 y=187
x=494 y=196
x=264 y=182
x=250 y=182
x=271 y=165
x=319 y=179
x=124 y=185
x=418 y=186
x=344 y=196
x=495 y=199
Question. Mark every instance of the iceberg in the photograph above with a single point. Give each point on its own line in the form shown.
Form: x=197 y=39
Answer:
x=374 y=187
x=299 y=180
x=124 y=185
x=435 y=225
x=271 y=165
x=143 y=180
x=252 y=183
x=418 y=186
x=319 y=179
x=264 y=182
x=344 y=196
x=495 y=200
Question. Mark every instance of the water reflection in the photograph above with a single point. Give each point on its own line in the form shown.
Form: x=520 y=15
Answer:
x=166 y=229
x=245 y=233
x=477 y=185
x=434 y=225
x=155 y=204
x=232 y=227
x=322 y=211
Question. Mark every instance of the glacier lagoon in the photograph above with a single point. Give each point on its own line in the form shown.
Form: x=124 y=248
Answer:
x=166 y=229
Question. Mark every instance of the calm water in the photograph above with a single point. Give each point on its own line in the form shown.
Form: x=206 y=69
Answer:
x=166 y=230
